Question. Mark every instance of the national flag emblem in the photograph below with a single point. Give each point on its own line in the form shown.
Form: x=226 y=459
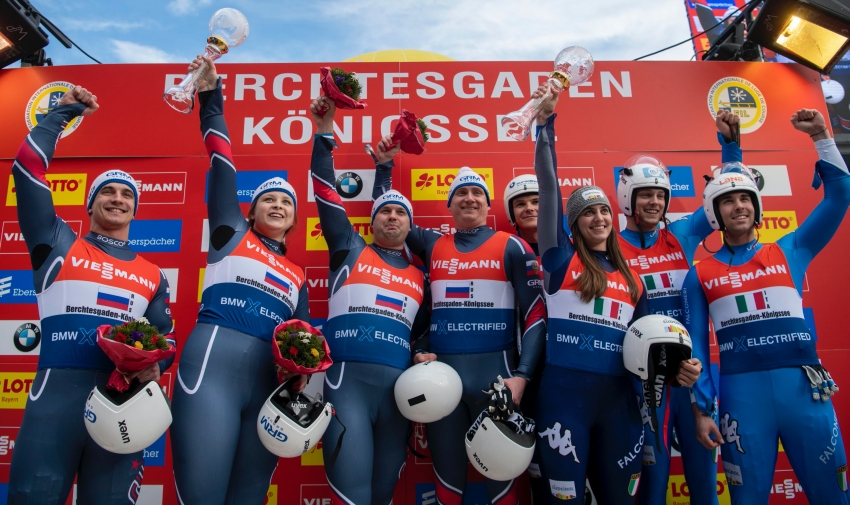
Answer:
x=532 y=268
x=658 y=281
x=390 y=300
x=277 y=281
x=672 y=328
x=750 y=302
x=459 y=290
x=607 y=308
x=114 y=298
x=842 y=477
x=715 y=453
x=633 y=484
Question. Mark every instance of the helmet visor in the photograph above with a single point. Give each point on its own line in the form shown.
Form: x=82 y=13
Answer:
x=736 y=168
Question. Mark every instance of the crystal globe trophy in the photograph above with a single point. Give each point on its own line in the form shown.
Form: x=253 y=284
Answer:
x=573 y=66
x=228 y=29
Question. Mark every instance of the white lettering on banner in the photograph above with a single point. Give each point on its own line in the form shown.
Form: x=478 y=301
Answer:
x=466 y=121
x=390 y=85
x=286 y=129
x=256 y=86
x=506 y=82
x=344 y=135
x=252 y=129
x=625 y=89
x=435 y=128
x=737 y=279
x=476 y=86
x=277 y=87
x=364 y=83
x=438 y=90
x=575 y=92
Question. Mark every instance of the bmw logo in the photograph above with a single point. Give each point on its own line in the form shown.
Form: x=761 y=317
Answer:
x=27 y=337
x=349 y=185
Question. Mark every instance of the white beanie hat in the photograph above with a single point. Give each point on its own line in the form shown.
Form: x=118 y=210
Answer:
x=466 y=177
x=392 y=197
x=113 y=176
x=275 y=184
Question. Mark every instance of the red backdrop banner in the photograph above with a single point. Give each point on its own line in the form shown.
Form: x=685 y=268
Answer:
x=661 y=108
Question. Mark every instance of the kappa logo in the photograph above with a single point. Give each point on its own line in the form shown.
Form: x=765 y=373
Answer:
x=742 y=98
x=562 y=443
x=44 y=100
x=729 y=430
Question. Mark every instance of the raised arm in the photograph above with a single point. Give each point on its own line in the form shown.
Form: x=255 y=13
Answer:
x=41 y=227
x=336 y=228
x=419 y=239
x=819 y=228
x=159 y=315
x=223 y=210
x=532 y=311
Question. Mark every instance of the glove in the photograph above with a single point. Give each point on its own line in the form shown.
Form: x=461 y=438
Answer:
x=823 y=387
x=501 y=405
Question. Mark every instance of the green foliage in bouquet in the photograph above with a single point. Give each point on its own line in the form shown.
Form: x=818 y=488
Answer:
x=347 y=83
x=423 y=129
x=303 y=348
x=139 y=334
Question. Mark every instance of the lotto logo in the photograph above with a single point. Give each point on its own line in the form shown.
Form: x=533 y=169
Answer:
x=434 y=183
x=316 y=239
x=776 y=224
x=14 y=388
x=68 y=189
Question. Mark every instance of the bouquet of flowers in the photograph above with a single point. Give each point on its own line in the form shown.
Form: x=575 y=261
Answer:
x=132 y=346
x=411 y=132
x=299 y=348
x=342 y=87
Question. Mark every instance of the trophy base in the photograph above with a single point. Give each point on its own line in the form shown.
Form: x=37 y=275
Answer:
x=515 y=129
x=179 y=100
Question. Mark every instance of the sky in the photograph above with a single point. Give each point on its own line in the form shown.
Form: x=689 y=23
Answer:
x=160 y=31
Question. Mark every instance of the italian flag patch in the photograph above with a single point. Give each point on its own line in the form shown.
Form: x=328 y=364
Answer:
x=633 y=484
x=842 y=477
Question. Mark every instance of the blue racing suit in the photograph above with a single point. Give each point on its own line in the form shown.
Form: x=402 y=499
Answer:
x=590 y=427
x=477 y=279
x=226 y=371
x=754 y=299
x=73 y=277
x=375 y=306
x=662 y=265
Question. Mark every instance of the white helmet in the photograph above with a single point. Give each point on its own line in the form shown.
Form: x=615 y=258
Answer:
x=525 y=184
x=641 y=171
x=428 y=391
x=500 y=450
x=290 y=424
x=127 y=422
x=731 y=177
x=833 y=91
x=643 y=342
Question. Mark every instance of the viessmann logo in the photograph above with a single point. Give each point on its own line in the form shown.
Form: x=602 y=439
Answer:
x=434 y=183
x=161 y=187
x=68 y=189
x=316 y=239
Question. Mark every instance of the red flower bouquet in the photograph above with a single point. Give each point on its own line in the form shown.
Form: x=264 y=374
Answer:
x=411 y=133
x=342 y=87
x=299 y=348
x=132 y=346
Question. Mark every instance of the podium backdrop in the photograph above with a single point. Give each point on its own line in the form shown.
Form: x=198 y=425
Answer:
x=662 y=108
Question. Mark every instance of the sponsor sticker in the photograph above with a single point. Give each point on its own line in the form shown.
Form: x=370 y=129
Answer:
x=316 y=239
x=14 y=388
x=733 y=474
x=434 y=183
x=67 y=189
x=16 y=286
x=161 y=187
x=681 y=181
x=351 y=185
x=155 y=453
x=562 y=489
x=776 y=224
x=155 y=235
x=20 y=338
x=247 y=182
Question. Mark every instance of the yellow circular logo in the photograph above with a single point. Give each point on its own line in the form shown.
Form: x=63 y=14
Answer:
x=741 y=97
x=45 y=100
